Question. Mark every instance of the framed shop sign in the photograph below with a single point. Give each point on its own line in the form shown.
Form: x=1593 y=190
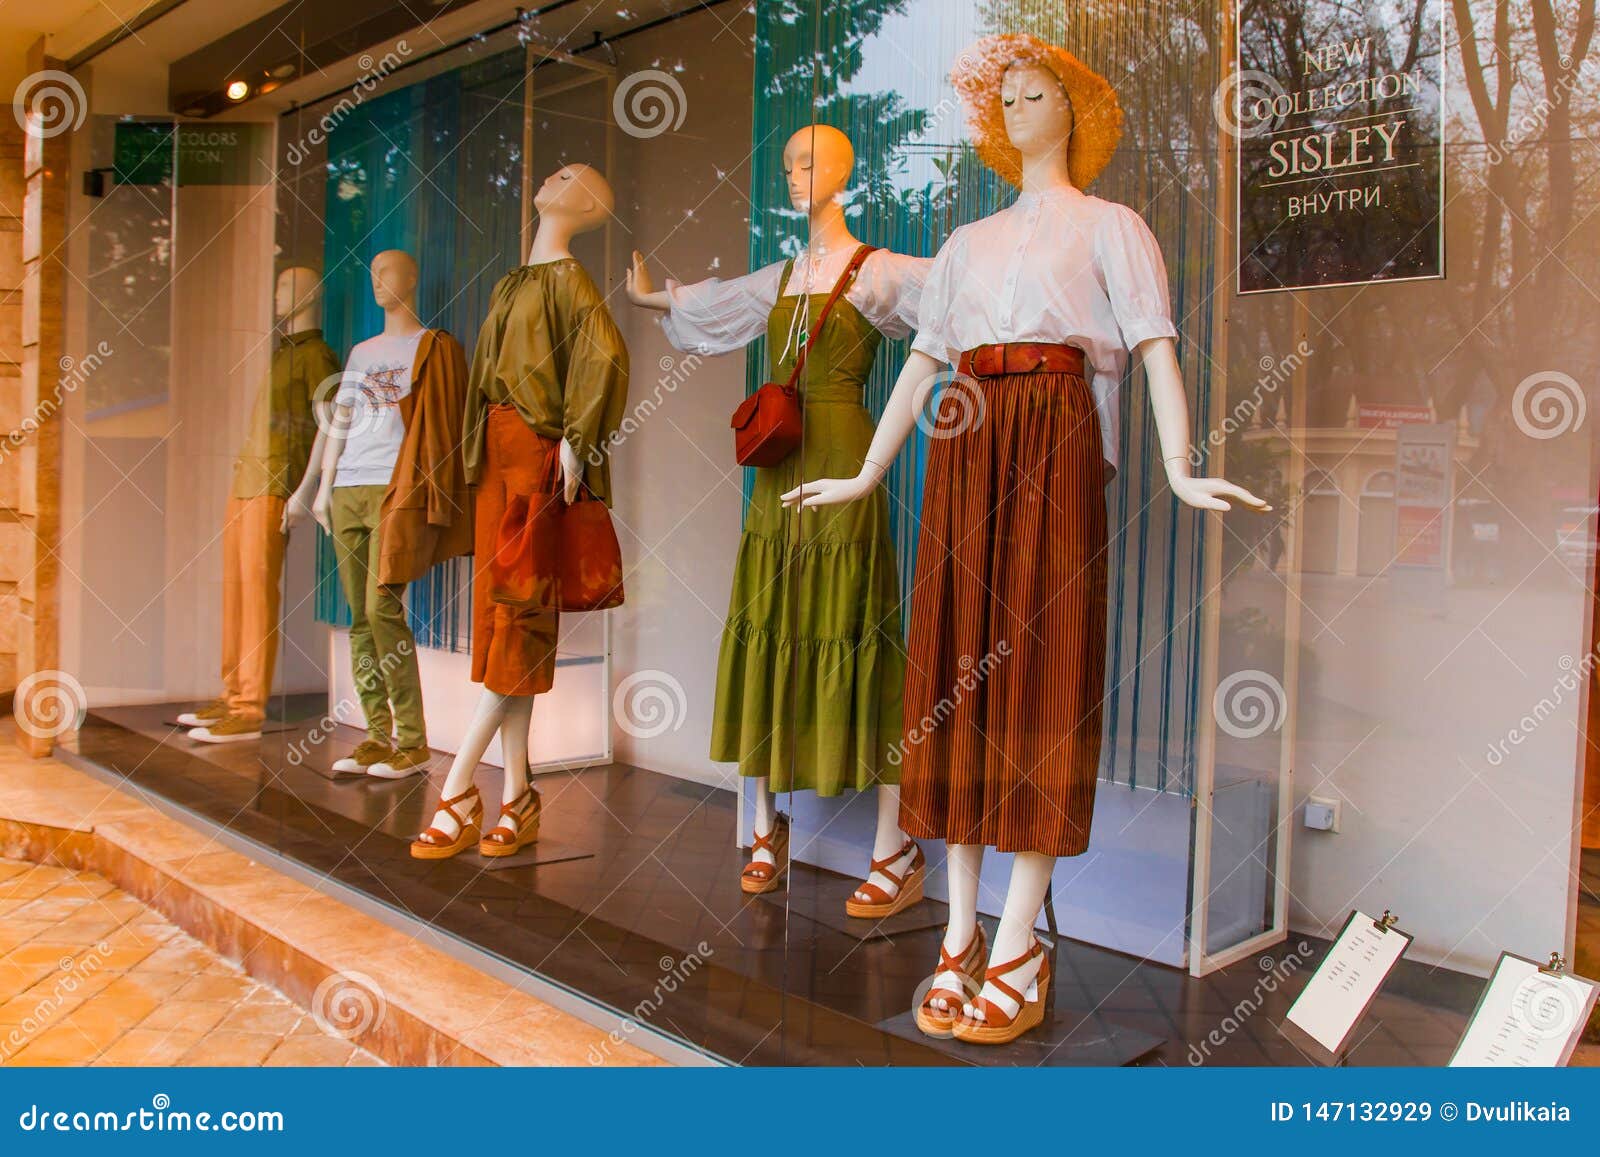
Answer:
x=163 y=152
x=1337 y=112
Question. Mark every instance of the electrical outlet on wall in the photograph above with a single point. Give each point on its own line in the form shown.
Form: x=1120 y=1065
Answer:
x=1322 y=815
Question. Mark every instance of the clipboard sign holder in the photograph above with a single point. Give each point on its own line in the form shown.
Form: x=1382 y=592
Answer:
x=1556 y=966
x=1339 y=1058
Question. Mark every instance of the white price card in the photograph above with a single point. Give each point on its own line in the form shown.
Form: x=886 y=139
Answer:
x=1527 y=1018
x=1347 y=980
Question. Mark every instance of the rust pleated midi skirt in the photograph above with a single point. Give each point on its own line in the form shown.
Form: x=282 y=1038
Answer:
x=1007 y=648
x=513 y=651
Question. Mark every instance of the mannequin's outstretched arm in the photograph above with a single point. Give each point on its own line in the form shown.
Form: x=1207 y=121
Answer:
x=641 y=287
x=1170 y=404
x=910 y=394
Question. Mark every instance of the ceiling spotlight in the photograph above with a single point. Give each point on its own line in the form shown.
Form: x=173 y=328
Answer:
x=281 y=71
x=238 y=90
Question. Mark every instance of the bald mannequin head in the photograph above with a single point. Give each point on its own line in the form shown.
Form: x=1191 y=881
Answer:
x=817 y=163
x=299 y=290
x=577 y=195
x=394 y=279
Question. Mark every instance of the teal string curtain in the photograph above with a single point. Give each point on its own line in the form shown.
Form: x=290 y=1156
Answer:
x=876 y=69
x=434 y=169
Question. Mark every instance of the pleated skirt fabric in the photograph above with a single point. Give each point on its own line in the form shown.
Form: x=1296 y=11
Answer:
x=1006 y=656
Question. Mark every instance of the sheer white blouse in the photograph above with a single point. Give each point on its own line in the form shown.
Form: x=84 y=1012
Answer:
x=717 y=316
x=1060 y=267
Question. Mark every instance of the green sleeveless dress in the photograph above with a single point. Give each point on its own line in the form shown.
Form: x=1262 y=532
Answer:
x=812 y=666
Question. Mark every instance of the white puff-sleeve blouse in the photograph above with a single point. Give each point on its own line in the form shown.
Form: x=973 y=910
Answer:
x=1061 y=267
x=718 y=316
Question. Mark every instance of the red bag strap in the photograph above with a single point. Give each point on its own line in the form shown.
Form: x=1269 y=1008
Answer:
x=845 y=279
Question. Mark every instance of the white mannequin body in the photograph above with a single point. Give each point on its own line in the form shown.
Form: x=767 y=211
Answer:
x=817 y=162
x=1039 y=120
x=575 y=199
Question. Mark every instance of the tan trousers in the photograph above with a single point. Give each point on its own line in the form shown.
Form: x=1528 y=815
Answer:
x=252 y=563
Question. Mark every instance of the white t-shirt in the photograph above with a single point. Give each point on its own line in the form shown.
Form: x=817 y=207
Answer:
x=1059 y=266
x=376 y=377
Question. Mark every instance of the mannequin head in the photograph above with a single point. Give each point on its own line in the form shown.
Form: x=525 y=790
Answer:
x=575 y=196
x=299 y=291
x=394 y=280
x=817 y=163
x=1037 y=112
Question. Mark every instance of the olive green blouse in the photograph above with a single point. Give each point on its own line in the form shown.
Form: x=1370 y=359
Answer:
x=549 y=348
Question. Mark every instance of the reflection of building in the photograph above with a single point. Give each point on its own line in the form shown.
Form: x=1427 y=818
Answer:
x=1346 y=503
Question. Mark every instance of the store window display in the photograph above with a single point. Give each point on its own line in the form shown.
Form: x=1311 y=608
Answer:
x=1027 y=303
x=283 y=437
x=810 y=673
x=548 y=387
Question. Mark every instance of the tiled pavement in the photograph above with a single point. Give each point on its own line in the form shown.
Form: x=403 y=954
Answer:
x=89 y=975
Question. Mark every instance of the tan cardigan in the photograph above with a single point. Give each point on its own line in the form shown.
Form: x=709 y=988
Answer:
x=427 y=510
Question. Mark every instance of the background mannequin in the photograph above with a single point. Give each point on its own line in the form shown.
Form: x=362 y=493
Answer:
x=360 y=445
x=1039 y=122
x=282 y=438
x=718 y=317
x=528 y=408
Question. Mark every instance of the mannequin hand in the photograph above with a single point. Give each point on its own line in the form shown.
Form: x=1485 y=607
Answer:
x=322 y=508
x=831 y=491
x=571 y=470
x=1214 y=494
x=641 y=287
x=295 y=511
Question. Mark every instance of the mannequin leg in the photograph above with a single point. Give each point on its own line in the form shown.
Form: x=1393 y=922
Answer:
x=766 y=816
x=963 y=866
x=514 y=745
x=1030 y=877
x=888 y=841
x=486 y=720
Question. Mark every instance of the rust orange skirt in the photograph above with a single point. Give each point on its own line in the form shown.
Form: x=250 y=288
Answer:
x=513 y=651
x=1007 y=649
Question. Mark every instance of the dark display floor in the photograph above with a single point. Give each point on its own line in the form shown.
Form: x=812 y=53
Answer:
x=638 y=908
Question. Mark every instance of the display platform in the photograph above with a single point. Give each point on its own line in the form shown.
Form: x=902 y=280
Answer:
x=655 y=897
x=819 y=896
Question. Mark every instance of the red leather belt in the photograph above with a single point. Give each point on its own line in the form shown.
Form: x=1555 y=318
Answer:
x=1021 y=357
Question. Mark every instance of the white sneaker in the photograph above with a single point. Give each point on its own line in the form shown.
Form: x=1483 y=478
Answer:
x=367 y=753
x=214 y=712
x=229 y=730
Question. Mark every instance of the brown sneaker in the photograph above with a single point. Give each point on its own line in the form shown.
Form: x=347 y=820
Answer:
x=367 y=753
x=406 y=761
x=212 y=712
x=230 y=729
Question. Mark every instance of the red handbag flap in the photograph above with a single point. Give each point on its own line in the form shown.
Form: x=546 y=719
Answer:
x=746 y=411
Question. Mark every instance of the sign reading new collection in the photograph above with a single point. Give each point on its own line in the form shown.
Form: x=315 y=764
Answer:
x=1337 y=110
x=154 y=152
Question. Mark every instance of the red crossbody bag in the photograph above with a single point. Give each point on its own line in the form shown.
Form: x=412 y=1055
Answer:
x=767 y=425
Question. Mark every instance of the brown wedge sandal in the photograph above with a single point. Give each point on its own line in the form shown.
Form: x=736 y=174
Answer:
x=940 y=1022
x=433 y=844
x=992 y=1025
x=759 y=877
x=907 y=888
x=504 y=840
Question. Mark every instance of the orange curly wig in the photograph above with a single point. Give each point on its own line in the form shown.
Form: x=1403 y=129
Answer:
x=1096 y=112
